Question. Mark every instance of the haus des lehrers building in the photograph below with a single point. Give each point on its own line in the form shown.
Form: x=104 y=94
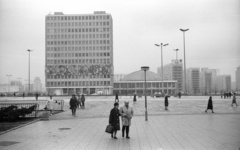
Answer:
x=79 y=53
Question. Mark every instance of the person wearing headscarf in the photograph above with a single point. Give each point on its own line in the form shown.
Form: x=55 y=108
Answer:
x=127 y=114
x=210 y=105
x=114 y=120
x=166 y=101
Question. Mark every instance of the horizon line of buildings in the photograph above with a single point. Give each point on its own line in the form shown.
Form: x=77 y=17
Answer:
x=199 y=80
x=79 y=59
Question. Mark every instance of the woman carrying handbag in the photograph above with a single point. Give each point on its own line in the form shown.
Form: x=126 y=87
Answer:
x=114 y=120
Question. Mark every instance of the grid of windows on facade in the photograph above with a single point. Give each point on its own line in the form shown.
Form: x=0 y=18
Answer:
x=69 y=37
x=78 y=58
x=78 y=83
x=138 y=88
x=79 y=52
x=141 y=85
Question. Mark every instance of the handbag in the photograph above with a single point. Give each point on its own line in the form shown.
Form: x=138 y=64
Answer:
x=109 y=129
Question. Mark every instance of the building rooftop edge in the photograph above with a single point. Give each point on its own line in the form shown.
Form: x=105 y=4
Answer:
x=62 y=14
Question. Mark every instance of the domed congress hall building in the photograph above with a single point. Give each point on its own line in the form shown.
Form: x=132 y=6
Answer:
x=134 y=83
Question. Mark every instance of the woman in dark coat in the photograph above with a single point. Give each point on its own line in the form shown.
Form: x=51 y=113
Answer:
x=210 y=105
x=166 y=101
x=114 y=120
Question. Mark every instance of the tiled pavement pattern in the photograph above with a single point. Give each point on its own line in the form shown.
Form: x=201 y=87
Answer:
x=193 y=129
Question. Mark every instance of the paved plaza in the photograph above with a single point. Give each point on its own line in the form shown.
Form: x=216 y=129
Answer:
x=184 y=126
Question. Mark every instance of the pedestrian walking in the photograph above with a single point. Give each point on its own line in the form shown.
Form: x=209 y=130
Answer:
x=73 y=105
x=234 y=101
x=221 y=95
x=210 y=105
x=230 y=95
x=79 y=102
x=49 y=105
x=127 y=114
x=134 y=98
x=36 y=96
x=23 y=95
x=179 y=94
x=114 y=120
x=116 y=98
x=83 y=101
x=166 y=101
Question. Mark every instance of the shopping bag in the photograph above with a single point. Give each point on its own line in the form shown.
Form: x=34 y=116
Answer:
x=109 y=129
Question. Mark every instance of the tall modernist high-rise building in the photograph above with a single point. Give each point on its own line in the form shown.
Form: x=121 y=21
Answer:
x=173 y=71
x=224 y=83
x=208 y=80
x=193 y=80
x=238 y=79
x=79 y=53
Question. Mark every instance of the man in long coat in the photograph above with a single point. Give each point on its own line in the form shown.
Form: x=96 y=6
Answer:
x=166 y=101
x=127 y=114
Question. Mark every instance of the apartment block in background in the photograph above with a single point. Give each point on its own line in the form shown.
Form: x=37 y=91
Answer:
x=173 y=71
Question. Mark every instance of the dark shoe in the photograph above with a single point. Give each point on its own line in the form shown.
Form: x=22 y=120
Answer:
x=115 y=137
x=212 y=112
x=128 y=137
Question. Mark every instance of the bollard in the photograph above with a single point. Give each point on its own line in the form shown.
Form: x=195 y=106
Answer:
x=45 y=116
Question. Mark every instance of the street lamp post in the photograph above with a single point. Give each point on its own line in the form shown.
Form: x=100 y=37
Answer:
x=19 y=84
x=161 y=61
x=29 y=71
x=9 y=75
x=26 y=85
x=185 y=70
x=145 y=68
x=176 y=53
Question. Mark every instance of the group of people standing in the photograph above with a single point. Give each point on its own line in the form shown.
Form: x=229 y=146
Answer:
x=77 y=103
x=126 y=114
x=226 y=95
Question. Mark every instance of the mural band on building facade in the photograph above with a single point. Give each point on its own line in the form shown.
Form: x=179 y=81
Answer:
x=78 y=70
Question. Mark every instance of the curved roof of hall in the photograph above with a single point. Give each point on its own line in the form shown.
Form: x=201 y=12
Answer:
x=139 y=76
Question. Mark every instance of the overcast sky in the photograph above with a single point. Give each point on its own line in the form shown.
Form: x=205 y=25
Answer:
x=213 y=40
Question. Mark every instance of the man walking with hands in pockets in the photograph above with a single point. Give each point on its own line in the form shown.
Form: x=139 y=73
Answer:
x=127 y=114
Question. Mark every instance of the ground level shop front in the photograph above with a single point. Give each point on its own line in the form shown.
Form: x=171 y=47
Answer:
x=134 y=82
x=137 y=87
x=81 y=90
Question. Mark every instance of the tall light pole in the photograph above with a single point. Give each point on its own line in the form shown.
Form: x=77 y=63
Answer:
x=9 y=75
x=176 y=53
x=19 y=84
x=162 y=60
x=185 y=69
x=145 y=68
x=29 y=71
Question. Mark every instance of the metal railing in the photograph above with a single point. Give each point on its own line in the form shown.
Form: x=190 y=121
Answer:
x=21 y=105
